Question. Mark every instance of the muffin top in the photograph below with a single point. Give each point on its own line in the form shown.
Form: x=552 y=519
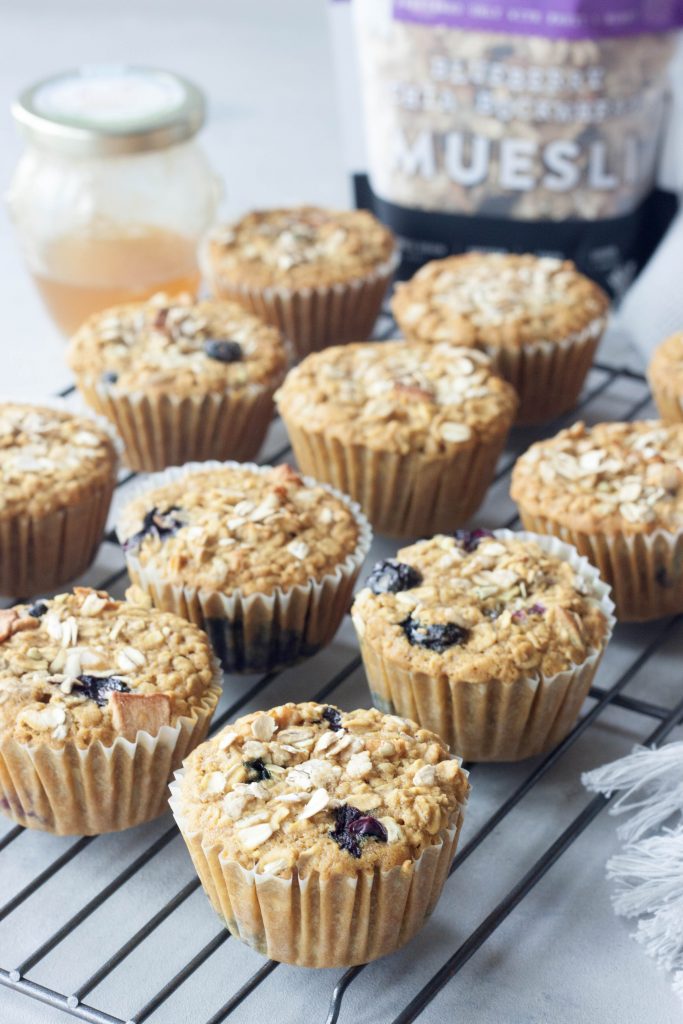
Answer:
x=50 y=459
x=666 y=366
x=478 y=607
x=177 y=345
x=233 y=526
x=614 y=477
x=499 y=299
x=310 y=787
x=300 y=247
x=399 y=395
x=82 y=667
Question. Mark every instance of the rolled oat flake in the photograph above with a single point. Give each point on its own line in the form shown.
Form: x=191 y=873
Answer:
x=548 y=114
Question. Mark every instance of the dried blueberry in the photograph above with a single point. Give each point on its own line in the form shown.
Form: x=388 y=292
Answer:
x=160 y=319
x=333 y=717
x=469 y=540
x=109 y=377
x=522 y=613
x=351 y=825
x=437 y=636
x=389 y=577
x=223 y=351
x=98 y=688
x=536 y=609
x=257 y=770
x=155 y=524
x=37 y=609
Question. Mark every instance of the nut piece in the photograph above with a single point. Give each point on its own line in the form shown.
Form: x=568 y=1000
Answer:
x=263 y=727
x=133 y=713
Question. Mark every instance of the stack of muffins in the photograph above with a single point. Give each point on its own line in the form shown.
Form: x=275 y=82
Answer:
x=307 y=824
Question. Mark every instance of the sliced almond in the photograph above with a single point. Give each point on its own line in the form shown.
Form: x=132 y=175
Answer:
x=263 y=727
x=319 y=800
x=254 y=836
x=133 y=713
x=226 y=740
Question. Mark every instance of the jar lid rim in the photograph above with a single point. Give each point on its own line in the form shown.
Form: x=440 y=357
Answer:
x=108 y=110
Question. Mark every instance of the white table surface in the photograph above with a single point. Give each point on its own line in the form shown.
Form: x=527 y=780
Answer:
x=562 y=956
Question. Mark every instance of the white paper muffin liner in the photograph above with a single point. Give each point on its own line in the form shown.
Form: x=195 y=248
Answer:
x=39 y=552
x=73 y=791
x=161 y=429
x=402 y=494
x=322 y=920
x=313 y=318
x=493 y=720
x=256 y=632
x=645 y=571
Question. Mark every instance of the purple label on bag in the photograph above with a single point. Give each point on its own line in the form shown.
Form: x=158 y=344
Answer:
x=560 y=19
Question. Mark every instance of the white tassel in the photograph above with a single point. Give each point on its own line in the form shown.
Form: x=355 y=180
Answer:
x=649 y=872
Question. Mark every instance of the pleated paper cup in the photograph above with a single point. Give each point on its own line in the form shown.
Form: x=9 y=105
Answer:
x=41 y=551
x=645 y=571
x=257 y=632
x=322 y=920
x=313 y=318
x=160 y=429
x=548 y=376
x=98 y=789
x=493 y=720
x=403 y=495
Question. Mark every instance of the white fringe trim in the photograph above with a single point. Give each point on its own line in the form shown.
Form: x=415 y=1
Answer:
x=649 y=872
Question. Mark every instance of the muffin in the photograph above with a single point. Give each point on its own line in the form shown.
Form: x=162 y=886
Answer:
x=322 y=838
x=57 y=476
x=180 y=379
x=614 y=491
x=99 y=702
x=262 y=559
x=538 y=318
x=490 y=639
x=318 y=275
x=665 y=374
x=411 y=431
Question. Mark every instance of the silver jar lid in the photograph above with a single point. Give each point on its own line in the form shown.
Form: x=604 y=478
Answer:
x=110 y=110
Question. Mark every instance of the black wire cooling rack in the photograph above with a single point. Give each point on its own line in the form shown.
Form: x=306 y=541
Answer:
x=53 y=866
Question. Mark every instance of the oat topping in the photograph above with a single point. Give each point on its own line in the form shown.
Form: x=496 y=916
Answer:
x=501 y=608
x=409 y=397
x=240 y=527
x=300 y=247
x=49 y=458
x=91 y=668
x=374 y=792
x=501 y=300
x=618 y=476
x=181 y=344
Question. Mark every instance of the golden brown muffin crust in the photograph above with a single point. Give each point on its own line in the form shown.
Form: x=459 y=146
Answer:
x=300 y=247
x=269 y=788
x=482 y=607
x=499 y=299
x=405 y=397
x=613 y=477
x=50 y=458
x=166 y=344
x=238 y=527
x=85 y=668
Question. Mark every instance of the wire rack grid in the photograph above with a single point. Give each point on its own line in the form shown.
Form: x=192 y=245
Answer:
x=87 y=924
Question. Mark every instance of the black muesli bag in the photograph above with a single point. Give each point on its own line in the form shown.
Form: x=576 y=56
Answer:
x=523 y=126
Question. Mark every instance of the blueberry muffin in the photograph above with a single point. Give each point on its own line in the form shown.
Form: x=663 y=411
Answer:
x=538 y=318
x=262 y=559
x=180 y=379
x=491 y=640
x=100 y=701
x=614 y=491
x=319 y=275
x=411 y=431
x=57 y=477
x=322 y=838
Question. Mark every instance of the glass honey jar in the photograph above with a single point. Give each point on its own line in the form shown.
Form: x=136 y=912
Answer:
x=112 y=194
